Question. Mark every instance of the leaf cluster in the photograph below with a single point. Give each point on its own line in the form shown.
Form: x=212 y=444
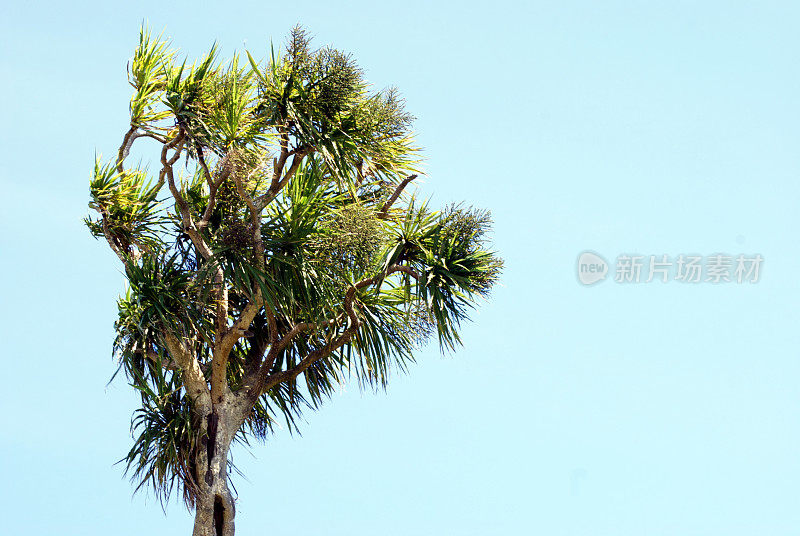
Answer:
x=290 y=164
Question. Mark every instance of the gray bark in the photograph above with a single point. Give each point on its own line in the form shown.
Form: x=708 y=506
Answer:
x=215 y=508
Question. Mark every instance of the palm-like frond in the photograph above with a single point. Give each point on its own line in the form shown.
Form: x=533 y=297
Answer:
x=165 y=441
x=291 y=199
x=128 y=202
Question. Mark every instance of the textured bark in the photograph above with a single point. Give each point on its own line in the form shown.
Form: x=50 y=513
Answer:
x=215 y=508
x=201 y=351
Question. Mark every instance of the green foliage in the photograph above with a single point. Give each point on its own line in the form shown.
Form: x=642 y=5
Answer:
x=323 y=234
x=147 y=75
x=161 y=290
x=165 y=440
x=456 y=267
x=127 y=201
x=322 y=97
x=348 y=239
x=186 y=91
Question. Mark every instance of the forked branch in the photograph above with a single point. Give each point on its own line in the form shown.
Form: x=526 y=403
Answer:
x=266 y=381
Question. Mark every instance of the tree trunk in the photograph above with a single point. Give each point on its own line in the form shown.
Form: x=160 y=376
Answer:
x=214 y=514
x=214 y=506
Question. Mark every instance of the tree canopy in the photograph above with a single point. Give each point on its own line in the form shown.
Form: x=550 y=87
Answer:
x=273 y=254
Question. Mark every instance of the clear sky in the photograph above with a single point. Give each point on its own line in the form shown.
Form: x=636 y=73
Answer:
x=616 y=409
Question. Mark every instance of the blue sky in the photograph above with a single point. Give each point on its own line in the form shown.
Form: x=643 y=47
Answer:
x=617 y=127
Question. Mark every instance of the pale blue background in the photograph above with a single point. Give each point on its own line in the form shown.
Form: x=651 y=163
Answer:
x=649 y=127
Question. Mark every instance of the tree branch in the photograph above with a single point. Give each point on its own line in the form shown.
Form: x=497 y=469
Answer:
x=222 y=350
x=125 y=148
x=213 y=185
x=277 y=185
x=384 y=211
x=224 y=339
x=153 y=356
x=278 y=163
x=189 y=226
x=255 y=220
x=227 y=337
x=266 y=381
x=112 y=241
x=193 y=378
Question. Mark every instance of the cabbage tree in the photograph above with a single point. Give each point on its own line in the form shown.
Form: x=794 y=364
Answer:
x=272 y=251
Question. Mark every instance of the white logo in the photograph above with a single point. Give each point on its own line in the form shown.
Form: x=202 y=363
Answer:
x=591 y=268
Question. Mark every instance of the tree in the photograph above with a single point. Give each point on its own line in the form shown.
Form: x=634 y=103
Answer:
x=281 y=258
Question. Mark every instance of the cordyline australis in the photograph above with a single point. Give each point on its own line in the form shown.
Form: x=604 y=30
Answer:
x=272 y=257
